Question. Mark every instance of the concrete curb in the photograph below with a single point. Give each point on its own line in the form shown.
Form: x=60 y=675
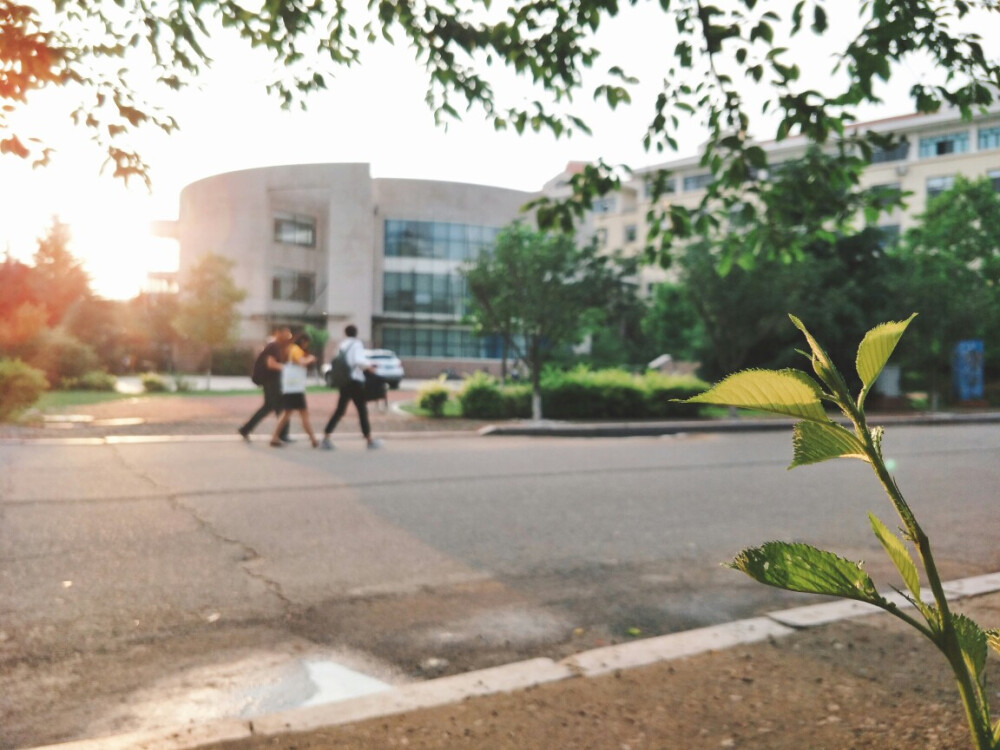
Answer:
x=547 y=428
x=544 y=428
x=518 y=676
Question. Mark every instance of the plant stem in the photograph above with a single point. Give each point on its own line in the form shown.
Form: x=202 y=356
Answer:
x=976 y=707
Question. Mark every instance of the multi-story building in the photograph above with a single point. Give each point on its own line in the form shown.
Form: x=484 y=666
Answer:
x=327 y=244
x=932 y=150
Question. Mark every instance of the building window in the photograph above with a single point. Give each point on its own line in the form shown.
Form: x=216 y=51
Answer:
x=430 y=293
x=899 y=152
x=445 y=343
x=437 y=240
x=603 y=205
x=601 y=237
x=994 y=177
x=989 y=138
x=669 y=186
x=293 y=286
x=697 y=181
x=295 y=230
x=941 y=145
x=937 y=185
x=631 y=233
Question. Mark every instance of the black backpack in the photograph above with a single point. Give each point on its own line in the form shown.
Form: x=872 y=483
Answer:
x=259 y=372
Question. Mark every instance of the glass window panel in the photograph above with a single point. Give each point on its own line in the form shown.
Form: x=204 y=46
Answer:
x=952 y=143
x=989 y=138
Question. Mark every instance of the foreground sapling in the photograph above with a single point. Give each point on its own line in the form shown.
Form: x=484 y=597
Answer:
x=800 y=567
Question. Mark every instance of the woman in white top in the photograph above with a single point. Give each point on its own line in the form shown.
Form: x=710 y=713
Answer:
x=293 y=388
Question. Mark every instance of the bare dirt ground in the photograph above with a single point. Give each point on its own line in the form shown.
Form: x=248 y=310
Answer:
x=867 y=683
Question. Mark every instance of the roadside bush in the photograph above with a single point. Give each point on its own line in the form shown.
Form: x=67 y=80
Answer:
x=59 y=354
x=660 y=389
x=433 y=396
x=182 y=384
x=20 y=387
x=153 y=383
x=95 y=380
x=516 y=401
x=480 y=397
x=233 y=360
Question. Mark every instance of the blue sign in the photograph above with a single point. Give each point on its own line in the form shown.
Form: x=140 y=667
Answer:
x=967 y=370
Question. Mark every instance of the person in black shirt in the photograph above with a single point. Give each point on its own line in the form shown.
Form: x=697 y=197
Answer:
x=269 y=364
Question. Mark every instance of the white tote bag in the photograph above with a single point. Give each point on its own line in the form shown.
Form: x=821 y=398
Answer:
x=293 y=378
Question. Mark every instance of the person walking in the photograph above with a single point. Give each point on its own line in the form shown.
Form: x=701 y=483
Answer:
x=295 y=366
x=354 y=353
x=267 y=374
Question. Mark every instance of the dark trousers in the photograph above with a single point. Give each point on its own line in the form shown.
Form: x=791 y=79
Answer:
x=272 y=403
x=354 y=392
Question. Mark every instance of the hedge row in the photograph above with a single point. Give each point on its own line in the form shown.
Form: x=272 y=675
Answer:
x=583 y=394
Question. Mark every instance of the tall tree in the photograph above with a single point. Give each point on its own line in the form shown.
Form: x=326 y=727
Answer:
x=722 y=63
x=208 y=309
x=950 y=273
x=534 y=289
x=59 y=279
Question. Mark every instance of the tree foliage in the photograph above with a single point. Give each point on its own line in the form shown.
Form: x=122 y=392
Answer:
x=948 y=267
x=534 y=289
x=208 y=310
x=723 y=63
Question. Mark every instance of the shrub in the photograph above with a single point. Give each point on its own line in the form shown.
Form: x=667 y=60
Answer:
x=95 y=380
x=660 y=389
x=433 y=396
x=234 y=360
x=516 y=401
x=182 y=384
x=20 y=387
x=481 y=398
x=59 y=354
x=153 y=383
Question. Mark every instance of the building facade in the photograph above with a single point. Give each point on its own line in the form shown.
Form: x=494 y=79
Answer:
x=328 y=245
x=932 y=151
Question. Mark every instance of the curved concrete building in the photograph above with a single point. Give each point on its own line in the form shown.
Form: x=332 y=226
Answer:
x=328 y=245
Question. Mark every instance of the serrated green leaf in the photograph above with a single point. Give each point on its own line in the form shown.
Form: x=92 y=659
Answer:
x=876 y=348
x=899 y=555
x=788 y=392
x=814 y=442
x=822 y=364
x=800 y=567
x=973 y=642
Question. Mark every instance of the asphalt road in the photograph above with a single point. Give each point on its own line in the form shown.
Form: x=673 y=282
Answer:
x=434 y=554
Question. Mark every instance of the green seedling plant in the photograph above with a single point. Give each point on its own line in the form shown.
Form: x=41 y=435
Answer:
x=803 y=568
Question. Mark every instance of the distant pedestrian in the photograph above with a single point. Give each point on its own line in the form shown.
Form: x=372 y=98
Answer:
x=295 y=366
x=267 y=374
x=354 y=352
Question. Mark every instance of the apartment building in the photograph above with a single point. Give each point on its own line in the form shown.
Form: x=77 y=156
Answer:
x=932 y=151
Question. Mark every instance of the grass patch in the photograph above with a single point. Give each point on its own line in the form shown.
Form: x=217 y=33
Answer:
x=67 y=399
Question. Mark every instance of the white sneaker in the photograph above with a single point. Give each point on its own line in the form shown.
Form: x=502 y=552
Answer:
x=376 y=443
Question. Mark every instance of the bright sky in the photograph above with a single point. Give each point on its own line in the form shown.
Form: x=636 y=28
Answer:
x=373 y=113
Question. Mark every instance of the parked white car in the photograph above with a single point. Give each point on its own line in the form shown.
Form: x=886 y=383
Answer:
x=387 y=366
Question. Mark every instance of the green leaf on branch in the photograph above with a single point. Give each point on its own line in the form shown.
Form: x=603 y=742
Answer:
x=899 y=555
x=973 y=642
x=801 y=567
x=877 y=347
x=788 y=392
x=822 y=364
x=814 y=442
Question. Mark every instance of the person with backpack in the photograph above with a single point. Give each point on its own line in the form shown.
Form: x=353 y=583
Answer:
x=347 y=372
x=297 y=360
x=267 y=374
